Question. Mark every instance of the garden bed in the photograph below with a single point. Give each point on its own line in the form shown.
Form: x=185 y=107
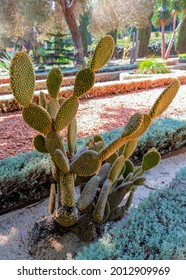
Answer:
x=26 y=178
x=8 y=103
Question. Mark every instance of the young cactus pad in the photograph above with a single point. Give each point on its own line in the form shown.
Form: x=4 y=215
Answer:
x=54 y=80
x=165 y=99
x=84 y=81
x=103 y=53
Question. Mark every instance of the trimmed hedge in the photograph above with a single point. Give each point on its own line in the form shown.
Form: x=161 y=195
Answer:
x=26 y=177
x=156 y=230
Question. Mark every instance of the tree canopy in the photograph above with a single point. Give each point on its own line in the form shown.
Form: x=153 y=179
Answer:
x=108 y=16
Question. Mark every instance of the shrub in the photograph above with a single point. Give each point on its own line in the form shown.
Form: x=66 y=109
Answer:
x=155 y=230
x=154 y=47
x=24 y=178
x=182 y=57
x=152 y=66
x=180 y=178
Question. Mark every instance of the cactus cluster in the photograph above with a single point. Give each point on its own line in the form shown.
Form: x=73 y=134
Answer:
x=105 y=174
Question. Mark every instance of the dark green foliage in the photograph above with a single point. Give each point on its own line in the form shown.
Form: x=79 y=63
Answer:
x=181 y=41
x=161 y=13
x=156 y=230
x=154 y=47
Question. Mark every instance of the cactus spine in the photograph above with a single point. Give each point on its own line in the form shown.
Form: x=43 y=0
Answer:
x=105 y=173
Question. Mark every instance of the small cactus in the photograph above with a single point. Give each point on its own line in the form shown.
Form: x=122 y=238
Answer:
x=105 y=173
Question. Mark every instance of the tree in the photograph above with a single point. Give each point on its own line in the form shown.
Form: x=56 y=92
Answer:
x=144 y=37
x=164 y=11
x=181 y=43
x=83 y=28
x=160 y=18
x=22 y=20
x=21 y=17
x=177 y=7
x=108 y=16
x=70 y=9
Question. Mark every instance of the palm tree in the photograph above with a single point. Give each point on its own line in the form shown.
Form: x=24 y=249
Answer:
x=161 y=18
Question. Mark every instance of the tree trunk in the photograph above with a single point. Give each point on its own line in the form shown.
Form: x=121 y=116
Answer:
x=163 y=41
x=144 y=37
x=172 y=37
x=181 y=43
x=84 y=20
x=68 y=12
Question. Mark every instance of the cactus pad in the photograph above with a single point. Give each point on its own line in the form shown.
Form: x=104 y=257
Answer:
x=52 y=107
x=128 y=178
x=116 y=169
x=88 y=193
x=52 y=199
x=116 y=197
x=66 y=113
x=86 y=164
x=112 y=158
x=151 y=159
x=54 y=80
x=97 y=147
x=53 y=142
x=22 y=78
x=129 y=168
x=165 y=99
x=130 y=148
x=103 y=172
x=133 y=126
x=103 y=53
x=42 y=100
x=61 y=161
x=71 y=137
x=139 y=181
x=98 y=138
x=39 y=144
x=37 y=118
x=129 y=200
x=99 y=211
x=84 y=81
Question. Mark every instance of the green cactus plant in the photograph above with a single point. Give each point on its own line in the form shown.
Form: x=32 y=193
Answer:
x=105 y=173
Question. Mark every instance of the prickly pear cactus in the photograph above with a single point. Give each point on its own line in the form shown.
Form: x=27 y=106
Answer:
x=105 y=174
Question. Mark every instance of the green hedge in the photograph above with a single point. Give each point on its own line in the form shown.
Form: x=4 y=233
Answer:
x=154 y=47
x=25 y=178
x=156 y=230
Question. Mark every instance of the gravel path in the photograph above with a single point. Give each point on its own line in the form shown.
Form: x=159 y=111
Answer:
x=94 y=116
